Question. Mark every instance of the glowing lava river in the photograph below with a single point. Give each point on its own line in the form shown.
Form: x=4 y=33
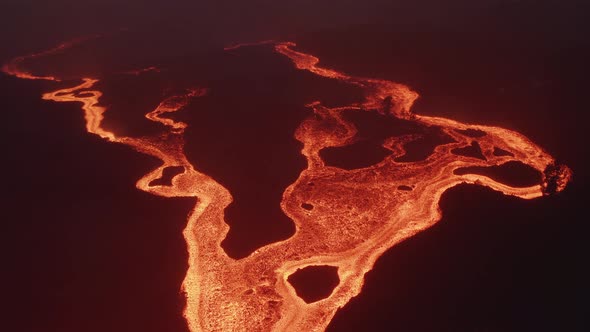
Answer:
x=344 y=218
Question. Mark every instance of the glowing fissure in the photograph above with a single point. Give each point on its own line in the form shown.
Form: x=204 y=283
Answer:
x=14 y=67
x=343 y=218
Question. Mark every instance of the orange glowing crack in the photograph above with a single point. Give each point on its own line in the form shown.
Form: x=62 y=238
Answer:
x=239 y=45
x=171 y=105
x=137 y=72
x=14 y=67
x=357 y=214
x=93 y=113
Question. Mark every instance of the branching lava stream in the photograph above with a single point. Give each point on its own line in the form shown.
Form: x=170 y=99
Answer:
x=344 y=218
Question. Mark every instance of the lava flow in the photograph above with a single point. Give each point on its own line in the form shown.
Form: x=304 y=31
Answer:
x=344 y=218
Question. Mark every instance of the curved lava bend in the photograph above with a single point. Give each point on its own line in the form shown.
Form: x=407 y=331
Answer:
x=344 y=218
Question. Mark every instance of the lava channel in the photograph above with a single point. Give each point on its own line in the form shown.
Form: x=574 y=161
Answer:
x=345 y=219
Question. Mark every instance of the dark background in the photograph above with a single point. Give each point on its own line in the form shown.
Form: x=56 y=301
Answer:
x=85 y=251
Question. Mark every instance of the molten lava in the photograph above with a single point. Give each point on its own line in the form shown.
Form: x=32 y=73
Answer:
x=344 y=219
